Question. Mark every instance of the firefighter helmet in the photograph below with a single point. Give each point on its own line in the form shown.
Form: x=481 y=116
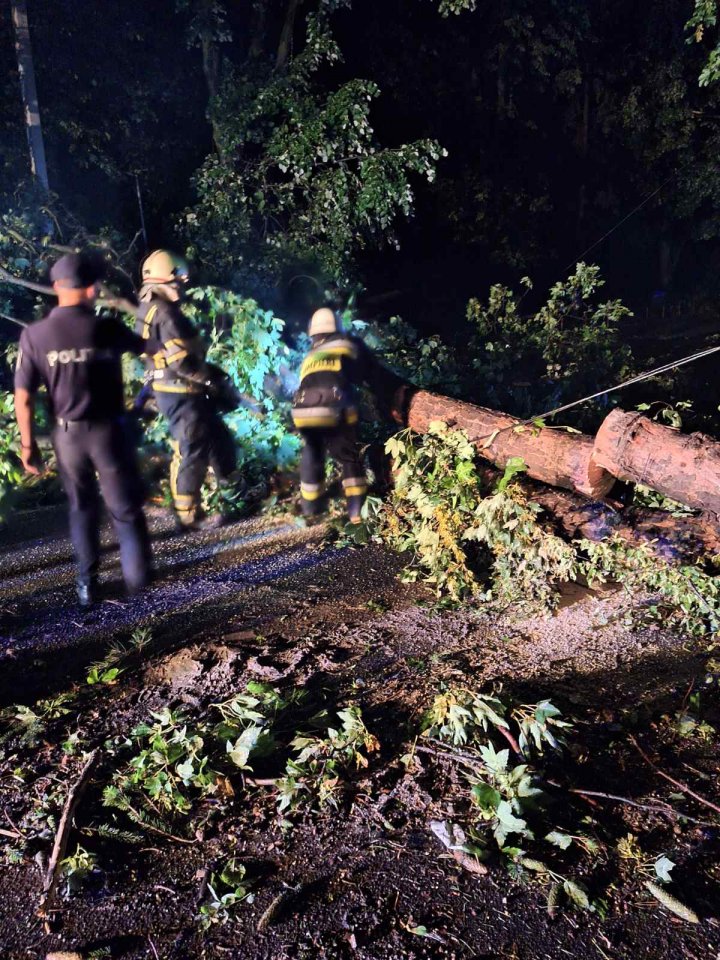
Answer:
x=163 y=266
x=323 y=321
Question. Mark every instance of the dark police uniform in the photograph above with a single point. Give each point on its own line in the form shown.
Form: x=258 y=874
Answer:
x=325 y=411
x=200 y=437
x=78 y=357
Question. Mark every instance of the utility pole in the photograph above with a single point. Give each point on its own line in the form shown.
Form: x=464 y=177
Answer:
x=26 y=69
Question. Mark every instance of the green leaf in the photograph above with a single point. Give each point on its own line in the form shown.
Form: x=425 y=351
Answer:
x=562 y=840
x=486 y=797
x=513 y=467
x=185 y=770
x=509 y=822
x=577 y=893
x=240 y=751
x=465 y=471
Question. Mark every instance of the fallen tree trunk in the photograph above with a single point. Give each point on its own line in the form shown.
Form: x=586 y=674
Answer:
x=684 y=467
x=556 y=457
x=571 y=461
x=628 y=447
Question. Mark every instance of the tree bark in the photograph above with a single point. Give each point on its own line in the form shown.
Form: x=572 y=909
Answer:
x=257 y=29
x=684 y=467
x=556 y=457
x=210 y=64
x=26 y=69
x=286 y=35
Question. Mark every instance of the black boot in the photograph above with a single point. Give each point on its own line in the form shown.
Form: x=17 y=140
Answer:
x=87 y=592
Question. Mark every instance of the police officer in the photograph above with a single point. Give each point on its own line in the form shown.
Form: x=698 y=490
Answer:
x=182 y=383
x=325 y=411
x=77 y=356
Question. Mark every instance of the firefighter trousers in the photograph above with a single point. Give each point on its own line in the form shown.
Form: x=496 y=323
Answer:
x=200 y=439
x=87 y=452
x=340 y=443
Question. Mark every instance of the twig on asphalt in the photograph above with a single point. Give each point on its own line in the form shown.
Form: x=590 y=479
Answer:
x=15 y=827
x=278 y=903
x=449 y=753
x=687 y=694
x=664 y=808
x=203 y=875
x=676 y=783
x=52 y=875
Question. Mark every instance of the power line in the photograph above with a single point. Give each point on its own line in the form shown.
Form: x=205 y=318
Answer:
x=639 y=378
x=621 y=222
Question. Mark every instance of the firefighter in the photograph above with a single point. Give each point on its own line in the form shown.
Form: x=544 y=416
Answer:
x=77 y=356
x=325 y=411
x=185 y=386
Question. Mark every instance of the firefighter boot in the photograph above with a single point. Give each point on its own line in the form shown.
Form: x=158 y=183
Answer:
x=355 y=489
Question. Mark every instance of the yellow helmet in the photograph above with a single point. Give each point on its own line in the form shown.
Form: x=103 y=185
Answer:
x=162 y=266
x=322 y=321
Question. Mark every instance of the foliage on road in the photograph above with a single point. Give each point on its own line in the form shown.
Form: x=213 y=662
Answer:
x=468 y=537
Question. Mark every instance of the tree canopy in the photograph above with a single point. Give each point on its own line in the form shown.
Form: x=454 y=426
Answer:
x=358 y=142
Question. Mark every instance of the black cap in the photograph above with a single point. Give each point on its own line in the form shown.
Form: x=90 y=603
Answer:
x=78 y=270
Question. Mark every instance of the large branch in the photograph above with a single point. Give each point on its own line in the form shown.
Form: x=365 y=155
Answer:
x=627 y=447
x=669 y=536
x=286 y=35
x=257 y=29
x=6 y=277
x=26 y=69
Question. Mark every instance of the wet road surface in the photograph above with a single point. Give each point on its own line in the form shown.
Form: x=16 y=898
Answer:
x=199 y=574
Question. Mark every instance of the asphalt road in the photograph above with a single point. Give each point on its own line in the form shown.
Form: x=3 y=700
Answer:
x=200 y=575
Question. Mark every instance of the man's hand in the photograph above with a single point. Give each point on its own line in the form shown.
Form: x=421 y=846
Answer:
x=31 y=459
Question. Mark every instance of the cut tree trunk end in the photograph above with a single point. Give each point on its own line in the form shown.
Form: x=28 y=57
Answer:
x=683 y=467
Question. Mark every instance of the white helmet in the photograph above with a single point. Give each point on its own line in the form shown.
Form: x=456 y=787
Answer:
x=163 y=266
x=322 y=321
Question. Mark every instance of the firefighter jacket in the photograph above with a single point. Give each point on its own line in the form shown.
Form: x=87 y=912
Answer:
x=329 y=377
x=180 y=366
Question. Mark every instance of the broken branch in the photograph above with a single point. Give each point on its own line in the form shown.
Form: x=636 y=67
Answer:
x=52 y=875
x=676 y=783
x=664 y=808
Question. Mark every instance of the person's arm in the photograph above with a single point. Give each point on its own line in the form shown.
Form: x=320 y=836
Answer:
x=24 y=414
x=182 y=351
x=27 y=381
x=127 y=341
x=383 y=383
